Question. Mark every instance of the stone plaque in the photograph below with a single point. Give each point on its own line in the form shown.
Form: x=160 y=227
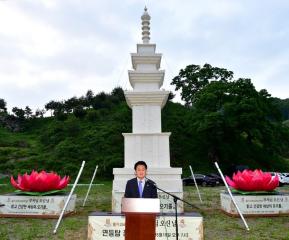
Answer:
x=35 y=206
x=256 y=205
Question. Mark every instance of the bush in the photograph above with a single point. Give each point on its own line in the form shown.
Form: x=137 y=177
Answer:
x=92 y=115
x=61 y=116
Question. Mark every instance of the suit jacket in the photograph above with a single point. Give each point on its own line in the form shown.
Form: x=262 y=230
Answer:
x=131 y=190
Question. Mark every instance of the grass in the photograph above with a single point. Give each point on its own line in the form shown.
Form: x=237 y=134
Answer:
x=217 y=226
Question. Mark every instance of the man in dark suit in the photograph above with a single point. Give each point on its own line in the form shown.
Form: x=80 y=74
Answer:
x=139 y=187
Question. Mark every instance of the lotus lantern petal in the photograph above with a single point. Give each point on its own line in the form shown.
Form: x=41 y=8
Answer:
x=39 y=182
x=256 y=180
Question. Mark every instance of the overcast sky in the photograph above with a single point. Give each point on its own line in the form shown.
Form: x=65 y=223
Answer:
x=57 y=49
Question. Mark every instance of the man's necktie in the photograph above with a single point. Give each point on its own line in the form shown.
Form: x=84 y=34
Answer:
x=140 y=188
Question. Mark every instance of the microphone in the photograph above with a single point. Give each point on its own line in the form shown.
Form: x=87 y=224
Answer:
x=151 y=182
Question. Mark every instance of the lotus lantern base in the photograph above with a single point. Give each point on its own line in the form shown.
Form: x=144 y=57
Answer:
x=256 y=205
x=26 y=206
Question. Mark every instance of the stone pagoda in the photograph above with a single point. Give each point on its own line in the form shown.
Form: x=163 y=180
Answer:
x=147 y=142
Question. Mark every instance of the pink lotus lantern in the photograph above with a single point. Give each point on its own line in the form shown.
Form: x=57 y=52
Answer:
x=253 y=181
x=40 y=182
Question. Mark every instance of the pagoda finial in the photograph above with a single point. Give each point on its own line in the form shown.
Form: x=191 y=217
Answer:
x=145 y=26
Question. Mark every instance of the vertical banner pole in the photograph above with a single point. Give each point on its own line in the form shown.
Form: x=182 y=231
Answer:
x=93 y=176
x=233 y=199
x=196 y=184
x=69 y=196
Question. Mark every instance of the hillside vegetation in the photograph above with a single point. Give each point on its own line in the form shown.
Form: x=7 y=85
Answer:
x=223 y=120
x=61 y=145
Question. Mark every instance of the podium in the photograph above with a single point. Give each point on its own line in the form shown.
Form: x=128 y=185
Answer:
x=140 y=217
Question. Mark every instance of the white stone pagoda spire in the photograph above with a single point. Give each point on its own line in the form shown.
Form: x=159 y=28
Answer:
x=147 y=142
x=145 y=26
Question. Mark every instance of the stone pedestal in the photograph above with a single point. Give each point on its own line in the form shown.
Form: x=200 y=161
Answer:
x=256 y=205
x=102 y=226
x=35 y=206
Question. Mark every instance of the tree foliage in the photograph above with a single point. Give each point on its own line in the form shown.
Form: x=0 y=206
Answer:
x=233 y=122
x=194 y=78
x=283 y=106
x=19 y=113
x=3 y=105
x=39 y=113
x=78 y=106
x=28 y=112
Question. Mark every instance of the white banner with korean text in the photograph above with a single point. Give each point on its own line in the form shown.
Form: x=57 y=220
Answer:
x=104 y=226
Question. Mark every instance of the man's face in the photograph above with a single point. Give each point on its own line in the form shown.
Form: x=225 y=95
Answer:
x=140 y=171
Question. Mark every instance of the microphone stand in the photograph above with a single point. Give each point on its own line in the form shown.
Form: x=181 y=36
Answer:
x=176 y=198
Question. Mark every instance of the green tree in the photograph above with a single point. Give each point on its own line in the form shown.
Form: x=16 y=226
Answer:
x=233 y=122
x=28 y=112
x=283 y=105
x=3 y=107
x=71 y=104
x=194 y=78
x=118 y=93
x=88 y=99
x=39 y=113
x=101 y=100
x=54 y=107
x=19 y=113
